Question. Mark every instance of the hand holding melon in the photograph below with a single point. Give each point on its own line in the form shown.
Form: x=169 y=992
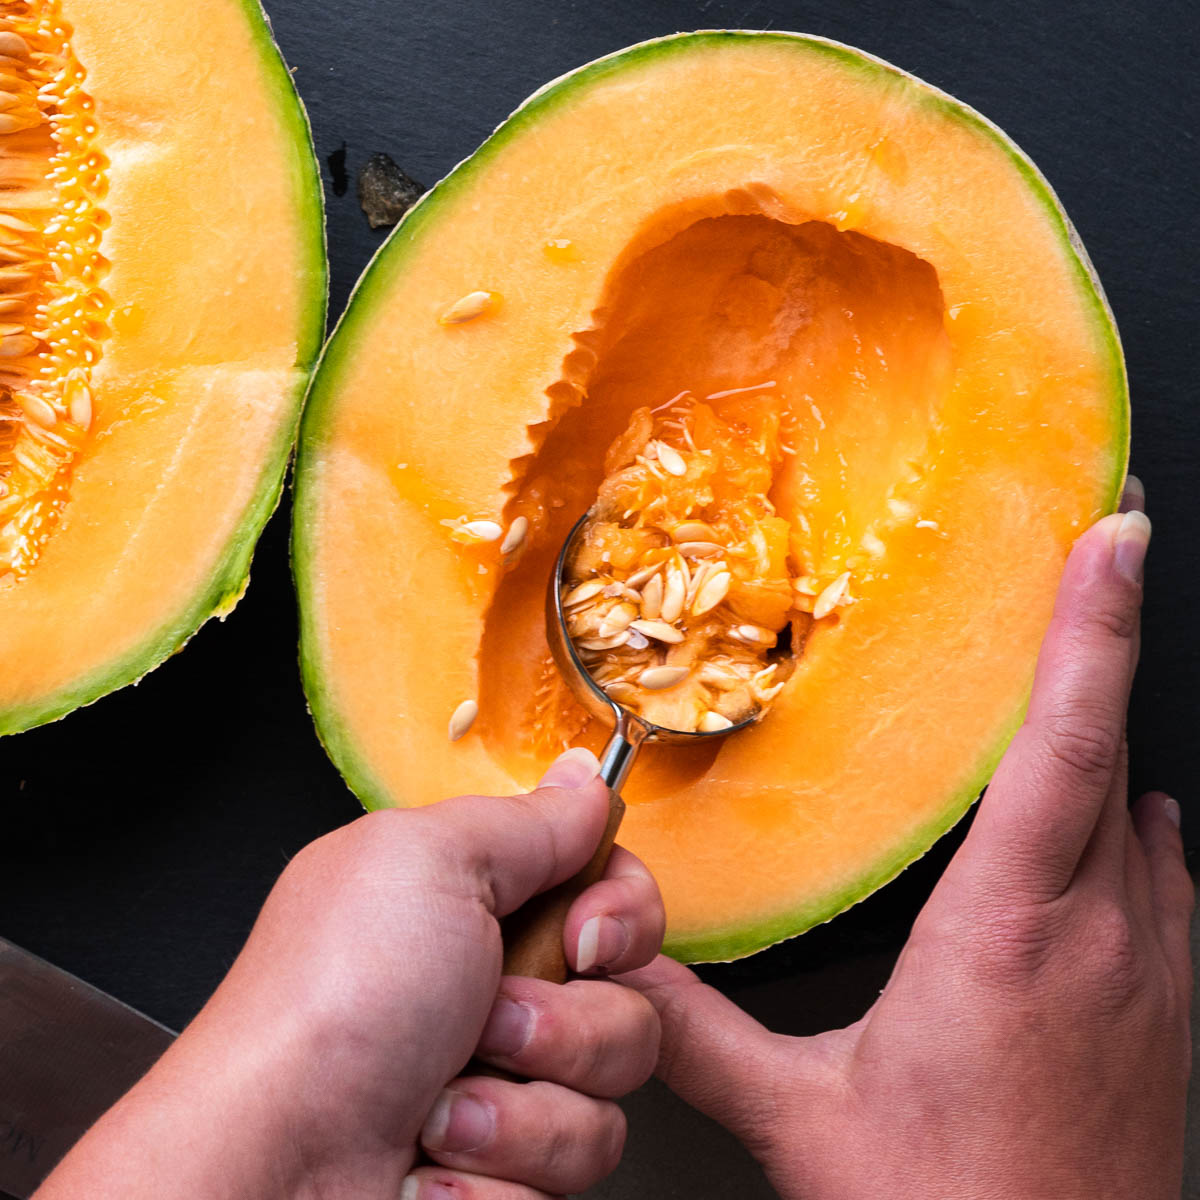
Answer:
x=1032 y=1040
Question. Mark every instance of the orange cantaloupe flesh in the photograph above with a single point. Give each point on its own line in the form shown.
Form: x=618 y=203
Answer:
x=707 y=212
x=216 y=281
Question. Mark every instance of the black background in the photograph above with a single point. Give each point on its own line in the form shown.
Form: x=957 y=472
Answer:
x=138 y=837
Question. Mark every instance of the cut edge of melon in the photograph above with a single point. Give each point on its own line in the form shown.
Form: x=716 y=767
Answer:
x=231 y=575
x=371 y=287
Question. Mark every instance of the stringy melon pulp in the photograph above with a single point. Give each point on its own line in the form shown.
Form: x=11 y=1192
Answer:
x=53 y=313
x=794 y=371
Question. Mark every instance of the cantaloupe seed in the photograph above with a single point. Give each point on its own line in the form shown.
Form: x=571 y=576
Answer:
x=515 y=536
x=470 y=306
x=56 y=314
x=462 y=719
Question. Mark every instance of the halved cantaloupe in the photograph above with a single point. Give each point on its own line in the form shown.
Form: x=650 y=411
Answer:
x=162 y=299
x=706 y=214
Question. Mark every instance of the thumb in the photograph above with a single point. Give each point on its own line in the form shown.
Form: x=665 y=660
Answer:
x=514 y=847
x=713 y=1055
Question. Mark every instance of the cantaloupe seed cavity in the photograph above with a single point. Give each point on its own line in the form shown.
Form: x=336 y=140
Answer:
x=753 y=412
x=53 y=313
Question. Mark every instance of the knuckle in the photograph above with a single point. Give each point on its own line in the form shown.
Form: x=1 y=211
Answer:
x=1014 y=944
x=1081 y=736
x=592 y=1060
x=1181 y=895
x=579 y=1144
x=632 y=1042
x=1115 y=967
x=611 y=1045
x=1119 y=617
x=613 y=1145
x=1178 y=1002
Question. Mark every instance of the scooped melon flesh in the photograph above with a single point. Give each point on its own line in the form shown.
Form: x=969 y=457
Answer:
x=705 y=214
x=162 y=289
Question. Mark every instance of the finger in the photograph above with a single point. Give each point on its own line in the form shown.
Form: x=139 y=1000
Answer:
x=1114 y=840
x=1133 y=495
x=513 y=847
x=1156 y=819
x=618 y=923
x=1138 y=888
x=589 y=1035
x=538 y=1134
x=713 y=1055
x=1103 y=865
x=436 y=1183
x=1049 y=790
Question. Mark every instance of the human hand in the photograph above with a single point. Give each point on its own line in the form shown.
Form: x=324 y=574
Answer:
x=330 y=1056
x=1033 y=1039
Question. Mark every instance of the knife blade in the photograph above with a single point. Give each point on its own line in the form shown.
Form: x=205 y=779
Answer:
x=68 y=1052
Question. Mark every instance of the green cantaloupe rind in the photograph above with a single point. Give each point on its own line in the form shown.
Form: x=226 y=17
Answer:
x=385 y=272
x=231 y=575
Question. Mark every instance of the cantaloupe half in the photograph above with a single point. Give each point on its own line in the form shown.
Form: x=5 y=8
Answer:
x=162 y=299
x=702 y=213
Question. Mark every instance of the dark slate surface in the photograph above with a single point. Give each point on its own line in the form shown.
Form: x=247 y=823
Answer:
x=137 y=838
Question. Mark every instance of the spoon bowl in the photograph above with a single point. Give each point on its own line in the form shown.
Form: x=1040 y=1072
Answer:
x=629 y=730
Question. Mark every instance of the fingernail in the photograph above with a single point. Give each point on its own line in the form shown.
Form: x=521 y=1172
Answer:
x=1133 y=495
x=416 y=1188
x=602 y=940
x=573 y=768
x=1171 y=808
x=508 y=1028
x=1129 y=551
x=458 y=1122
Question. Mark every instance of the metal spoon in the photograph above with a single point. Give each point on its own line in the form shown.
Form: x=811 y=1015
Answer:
x=533 y=935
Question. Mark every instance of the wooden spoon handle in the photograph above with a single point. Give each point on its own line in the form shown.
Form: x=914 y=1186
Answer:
x=533 y=935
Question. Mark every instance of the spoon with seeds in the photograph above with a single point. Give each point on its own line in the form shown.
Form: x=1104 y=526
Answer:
x=533 y=935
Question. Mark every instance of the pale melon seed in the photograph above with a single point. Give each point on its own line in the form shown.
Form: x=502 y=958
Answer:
x=674 y=595
x=472 y=305
x=620 y=617
x=657 y=679
x=584 y=591
x=604 y=643
x=713 y=722
x=671 y=459
x=622 y=692
x=699 y=549
x=463 y=718
x=13 y=122
x=712 y=593
x=13 y=45
x=693 y=531
x=652 y=597
x=659 y=630
x=753 y=635
x=483 y=531
x=832 y=596
x=515 y=536
x=641 y=576
x=39 y=410
x=79 y=399
x=17 y=345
